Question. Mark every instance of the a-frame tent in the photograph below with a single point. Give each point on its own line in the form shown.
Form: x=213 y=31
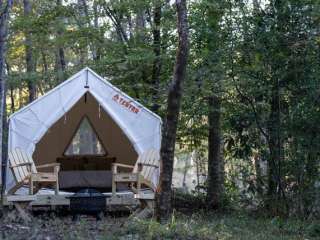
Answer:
x=45 y=127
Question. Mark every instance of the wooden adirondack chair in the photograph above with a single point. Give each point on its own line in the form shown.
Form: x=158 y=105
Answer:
x=26 y=173
x=142 y=172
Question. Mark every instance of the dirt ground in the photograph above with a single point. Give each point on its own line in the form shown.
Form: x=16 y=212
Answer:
x=52 y=227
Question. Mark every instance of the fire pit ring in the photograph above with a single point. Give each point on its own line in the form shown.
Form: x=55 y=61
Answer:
x=87 y=201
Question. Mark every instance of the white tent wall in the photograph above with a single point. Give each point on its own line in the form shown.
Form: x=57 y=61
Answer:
x=28 y=125
x=144 y=126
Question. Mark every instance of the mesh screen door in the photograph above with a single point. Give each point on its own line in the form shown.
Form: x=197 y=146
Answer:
x=85 y=141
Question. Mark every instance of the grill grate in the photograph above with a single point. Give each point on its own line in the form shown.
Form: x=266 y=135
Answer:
x=87 y=201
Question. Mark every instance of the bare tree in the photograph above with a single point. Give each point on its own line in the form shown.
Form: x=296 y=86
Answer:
x=5 y=7
x=164 y=206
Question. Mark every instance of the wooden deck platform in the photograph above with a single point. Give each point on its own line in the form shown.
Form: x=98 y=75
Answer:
x=50 y=200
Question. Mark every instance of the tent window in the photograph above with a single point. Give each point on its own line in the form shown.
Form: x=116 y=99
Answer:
x=85 y=141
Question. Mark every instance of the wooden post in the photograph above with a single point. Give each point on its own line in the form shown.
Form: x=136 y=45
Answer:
x=31 y=185
x=57 y=187
x=139 y=178
x=114 y=186
x=56 y=172
x=21 y=206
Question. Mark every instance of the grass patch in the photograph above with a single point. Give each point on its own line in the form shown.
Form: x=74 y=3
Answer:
x=231 y=226
x=201 y=225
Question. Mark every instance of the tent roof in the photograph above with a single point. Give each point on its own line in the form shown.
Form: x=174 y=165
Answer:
x=86 y=70
x=29 y=124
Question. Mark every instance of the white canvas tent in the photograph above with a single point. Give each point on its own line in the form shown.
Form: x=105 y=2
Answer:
x=125 y=127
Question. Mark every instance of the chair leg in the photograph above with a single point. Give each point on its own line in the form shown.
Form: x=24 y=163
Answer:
x=114 y=187
x=57 y=188
x=56 y=172
x=15 y=188
x=31 y=186
x=139 y=183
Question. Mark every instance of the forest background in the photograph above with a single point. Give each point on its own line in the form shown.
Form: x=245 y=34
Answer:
x=250 y=109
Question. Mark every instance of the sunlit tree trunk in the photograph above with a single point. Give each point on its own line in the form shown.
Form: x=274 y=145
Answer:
x=164 y=198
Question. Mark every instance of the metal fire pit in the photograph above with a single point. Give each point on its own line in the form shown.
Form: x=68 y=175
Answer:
x=87 y=201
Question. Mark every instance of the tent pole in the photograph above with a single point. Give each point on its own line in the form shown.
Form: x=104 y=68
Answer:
x=87 y=78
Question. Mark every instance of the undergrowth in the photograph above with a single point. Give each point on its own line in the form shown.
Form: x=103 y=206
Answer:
x=225 y=226
x=233 y=225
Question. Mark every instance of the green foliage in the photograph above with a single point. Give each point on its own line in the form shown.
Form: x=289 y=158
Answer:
x=232 y=226
x=200 y=225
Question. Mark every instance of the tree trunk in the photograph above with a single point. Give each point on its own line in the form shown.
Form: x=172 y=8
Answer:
x=215 y=188
x=62 y=59
x=116 y=20
x=96 y=51
x=61 y=56
x=12 y=100
x=140 y=40
x=29 y=58
x=276 y=191
x=44 y=63
x=140 y=26
x=130 y=25
x=5 y=7
x=84 y=22
x=164 y=206
x=258 y=172
x=274 y=145
x=61 y=64
x=12 y=105
x=157 y=56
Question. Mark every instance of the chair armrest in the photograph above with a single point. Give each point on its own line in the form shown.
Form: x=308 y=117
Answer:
x=116 y=165
x=122 y=165
x=21 y=165
x=141 y=165
x=149 y=165
x=48 y=165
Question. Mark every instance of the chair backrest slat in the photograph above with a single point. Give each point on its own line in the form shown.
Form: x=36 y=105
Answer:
x=27 y=158
x=17 y=172
x=147 y=170
x=18 y=156
x=153 y=160
x=148 y=157
x=21 y=159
